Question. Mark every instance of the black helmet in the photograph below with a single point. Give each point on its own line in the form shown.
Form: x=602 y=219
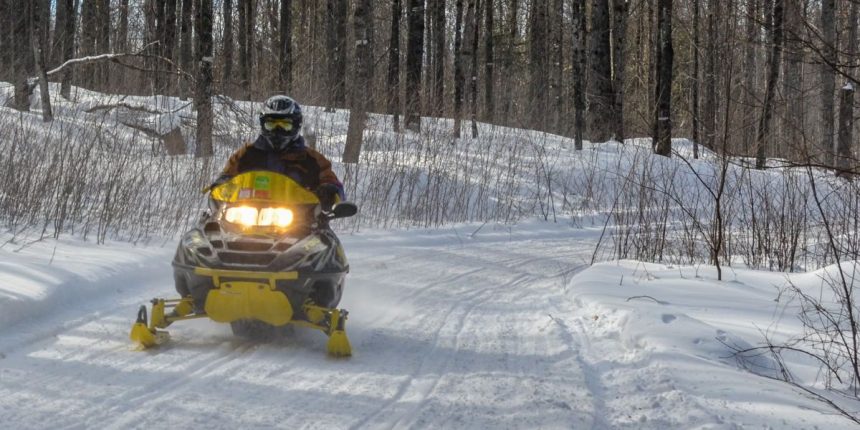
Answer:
x=280 y=121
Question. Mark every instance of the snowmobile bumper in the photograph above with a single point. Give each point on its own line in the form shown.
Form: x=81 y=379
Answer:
x=241 y=295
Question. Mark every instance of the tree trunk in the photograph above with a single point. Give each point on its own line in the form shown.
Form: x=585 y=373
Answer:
x=285 y=69
x=169 y=44
x=619 y=32
x=336 y=43
x=227 y=76
x=203 y=92
x=846 y=130
x=40 y=43
x=489 y=66
x=538 y=70
x=6 y=45
x=360 y=87
x=773 y=74
x=475 y=6
x=710 y=107
x=23 y=56
x=394 y=64
x=68 y=45
x=828 y=79
x=663 y=137
x=555 y=43
x=602 y=98
x=694 y=81
x=793 y=123
x=579 y=30
x=459 y=79
x=186 y=60
x=846 y=102
x=510 y=51
x=438 y=16
x=750 y=72
x=103 y=42
x=414 y=64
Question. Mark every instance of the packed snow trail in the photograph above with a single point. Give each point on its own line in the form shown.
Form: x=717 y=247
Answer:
x=463 y=327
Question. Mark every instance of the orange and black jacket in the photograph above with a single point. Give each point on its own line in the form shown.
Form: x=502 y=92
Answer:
x=304 y=165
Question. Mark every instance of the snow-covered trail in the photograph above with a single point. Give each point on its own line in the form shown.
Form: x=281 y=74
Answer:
x=447 y=331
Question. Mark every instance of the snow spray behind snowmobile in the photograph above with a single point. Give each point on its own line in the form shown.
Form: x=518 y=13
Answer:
x=261 y=258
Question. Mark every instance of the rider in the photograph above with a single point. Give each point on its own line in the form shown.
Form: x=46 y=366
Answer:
x=281 y=148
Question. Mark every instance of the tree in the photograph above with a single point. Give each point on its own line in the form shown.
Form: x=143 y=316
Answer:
x=203 y=91
x=285 y=69
x=362 y=24
x=489 y=66
x=186 y=60
x=694 y=78
x=227 y=75
x=538 y=64
x=169 y=41
x=846 y=100
x=772 y=76
x=67 y=38
x=827 y=77
x=509 y=59
x=579 y=30
x=619 y=31
x=336 y=55
x=437 y=13
x=23 y=55
x=394 y=64
x=475 y=9
x=601 y=98
x=459 y=79
x=414 y=63
x=40 y=22
x=665 y=56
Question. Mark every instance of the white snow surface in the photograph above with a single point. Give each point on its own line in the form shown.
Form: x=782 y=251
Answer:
x=464 y=327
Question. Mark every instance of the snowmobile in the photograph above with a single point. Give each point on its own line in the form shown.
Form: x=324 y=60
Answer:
x=263 y=257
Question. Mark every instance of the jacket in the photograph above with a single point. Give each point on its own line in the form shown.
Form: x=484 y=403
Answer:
x=304 y=165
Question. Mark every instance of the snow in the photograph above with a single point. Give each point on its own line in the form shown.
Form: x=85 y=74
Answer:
x=470 y=325
x=508 y=327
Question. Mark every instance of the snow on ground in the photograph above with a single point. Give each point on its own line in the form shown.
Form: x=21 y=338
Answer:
x=468 y=326
x=463 y=327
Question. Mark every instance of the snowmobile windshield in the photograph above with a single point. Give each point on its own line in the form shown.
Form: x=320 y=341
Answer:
x=264 y=188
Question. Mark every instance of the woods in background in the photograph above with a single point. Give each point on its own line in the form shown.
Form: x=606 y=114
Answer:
x=757 y=78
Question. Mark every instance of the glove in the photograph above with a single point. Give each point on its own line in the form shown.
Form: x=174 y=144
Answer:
x=327 y=193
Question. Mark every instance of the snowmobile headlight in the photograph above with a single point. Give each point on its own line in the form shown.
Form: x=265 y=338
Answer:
x=266 y=217
x=278 y=217
x=244 y=215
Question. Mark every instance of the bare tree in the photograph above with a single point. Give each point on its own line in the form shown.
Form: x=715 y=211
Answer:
x=827 y=78
x=394 y=64
x=23 y=55
x=489 y=65
x=619 y=32
x=772 y=76
x=601 y=98
x=414 y=62
x=437 y=14
x=694 y=78
x=665 y=56
x=538 y=64
x=579 y=59
x=360 y=87
x=203 y=91
x=285 y=74
x=227 y=41
x=39 y=37
x=459 y=79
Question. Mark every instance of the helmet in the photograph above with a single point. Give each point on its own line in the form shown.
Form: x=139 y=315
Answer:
x=280 y=121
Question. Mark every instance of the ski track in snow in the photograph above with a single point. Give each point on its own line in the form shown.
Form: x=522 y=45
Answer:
x=446 y=333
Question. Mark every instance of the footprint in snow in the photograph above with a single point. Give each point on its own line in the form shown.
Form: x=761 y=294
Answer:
x=668 y=318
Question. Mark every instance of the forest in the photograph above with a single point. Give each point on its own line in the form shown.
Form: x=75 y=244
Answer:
x=756 y=78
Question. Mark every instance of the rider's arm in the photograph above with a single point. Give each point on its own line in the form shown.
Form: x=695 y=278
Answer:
x=232 y=167
x=327 y=175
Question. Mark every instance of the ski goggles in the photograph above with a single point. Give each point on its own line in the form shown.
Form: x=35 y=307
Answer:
x=283 y=123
